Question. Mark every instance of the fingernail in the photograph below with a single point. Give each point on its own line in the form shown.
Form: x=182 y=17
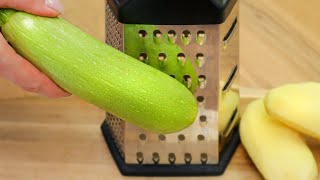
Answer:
x=55 y=5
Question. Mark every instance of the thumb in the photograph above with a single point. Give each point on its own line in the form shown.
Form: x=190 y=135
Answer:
x=49 y=8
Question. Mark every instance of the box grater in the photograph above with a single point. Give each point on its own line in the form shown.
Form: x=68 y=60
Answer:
x=207 y=31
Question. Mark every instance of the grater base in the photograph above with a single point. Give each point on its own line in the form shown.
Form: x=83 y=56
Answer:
x=172 y=170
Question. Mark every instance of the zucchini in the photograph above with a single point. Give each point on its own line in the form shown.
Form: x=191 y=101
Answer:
x=152 y=46
x=100 y=74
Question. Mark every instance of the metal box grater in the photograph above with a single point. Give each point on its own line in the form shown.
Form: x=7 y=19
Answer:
x=209 y=37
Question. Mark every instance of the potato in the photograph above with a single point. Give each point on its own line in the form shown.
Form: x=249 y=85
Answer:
x=278 y=152
x=296 y=105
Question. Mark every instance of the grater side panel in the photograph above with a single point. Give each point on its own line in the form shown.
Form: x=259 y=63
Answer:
x=114 y=37
x=229 y=67
x=200 y=141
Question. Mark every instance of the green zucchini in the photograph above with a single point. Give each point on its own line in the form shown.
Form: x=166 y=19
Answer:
x=135 y=45
x=100 y=74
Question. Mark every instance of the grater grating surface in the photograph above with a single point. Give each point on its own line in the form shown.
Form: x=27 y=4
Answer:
x=114 y=38
x=214 y=55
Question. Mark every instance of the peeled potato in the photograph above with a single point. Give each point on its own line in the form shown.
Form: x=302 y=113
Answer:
x=278 y=152
x=228 y=104
x=297 y=106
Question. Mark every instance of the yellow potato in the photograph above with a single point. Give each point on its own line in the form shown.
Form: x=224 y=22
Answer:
x=297 y=106
x=278 y=152
x=229 y=102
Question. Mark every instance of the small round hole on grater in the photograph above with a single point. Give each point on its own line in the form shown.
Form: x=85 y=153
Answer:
x=202 y=81
x=201 y=37
x=181 y=58
x=201 y=100
x=186 y=37
x=187 y=158
x=204 y=158
x=142 y=33
x=139 y=157
x=172 y=36
x=157 y=33
x=187 y=81
x=162 y=56
x=155 y=158
x=200 y=60
x=162 y=137
x=172 y=158
x=162 y=59
x=203 y=120
x=143 y=57
x=181 y=137
x=201 y=137
x=142 y=137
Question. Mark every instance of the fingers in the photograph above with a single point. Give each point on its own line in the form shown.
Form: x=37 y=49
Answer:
x=18 y=70
x=49 y=8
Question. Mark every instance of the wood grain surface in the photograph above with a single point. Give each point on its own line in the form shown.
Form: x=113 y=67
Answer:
x=44 y=138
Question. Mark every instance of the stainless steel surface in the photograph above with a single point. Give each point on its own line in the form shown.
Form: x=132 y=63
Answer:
x=114 y=37
x=229 y=62
x=214 y=52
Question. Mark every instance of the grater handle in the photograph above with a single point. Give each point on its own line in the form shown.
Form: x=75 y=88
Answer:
x=172 y=12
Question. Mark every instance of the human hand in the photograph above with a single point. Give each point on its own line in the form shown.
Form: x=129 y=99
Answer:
x=20 y=71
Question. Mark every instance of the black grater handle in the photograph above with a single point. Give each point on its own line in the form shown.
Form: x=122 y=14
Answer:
x=171 y=12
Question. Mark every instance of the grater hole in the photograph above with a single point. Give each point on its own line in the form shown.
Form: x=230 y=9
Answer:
x=171 y=33
x=204 y=158
x=142 y=33
x=187 y=158
x=187 y=81
x=181 y=58
x=202 y=81
x=186 y=37
x=200 y=99
x=181 y=137
x=162 y=56
x=143 y=56
x=155 y=158
x=201 y=34
x=201 y=137
x=142 y=137
x=200 y=59
x=162 y=137
x=157 y=33
x=139 y=157
x=172 y=36
x=173 y=76
x=201 y=37
x=172 y=158
x=186 y=34
x=203 y=120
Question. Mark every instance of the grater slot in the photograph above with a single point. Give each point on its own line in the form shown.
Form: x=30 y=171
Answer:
x=230 y=80
x=228 y=36
x=230 y=124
